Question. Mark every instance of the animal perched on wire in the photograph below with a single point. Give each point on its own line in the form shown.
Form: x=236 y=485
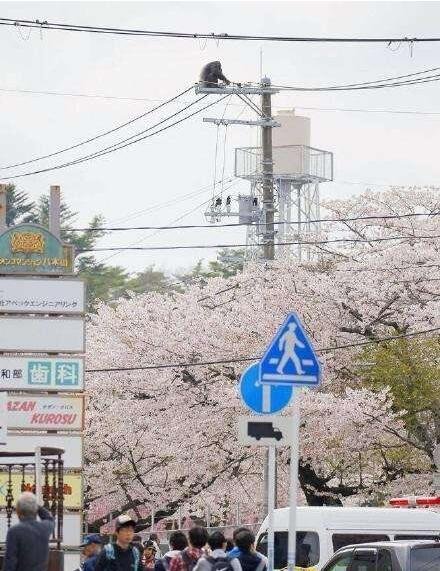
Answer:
x=211 y=74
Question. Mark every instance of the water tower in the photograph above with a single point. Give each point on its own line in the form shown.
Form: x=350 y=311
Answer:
x=298 y=169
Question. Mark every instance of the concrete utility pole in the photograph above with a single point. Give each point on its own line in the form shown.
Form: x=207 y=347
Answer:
x=55 y=210
x=267 y=159
x=266 y=123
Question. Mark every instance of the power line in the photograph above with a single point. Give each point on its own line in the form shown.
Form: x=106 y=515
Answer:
x=115 y=145
x=91 y=139
x=149 y=100
x=426 y=79
x=257 y=358
x=391 y=111
x=45 y=25
x=184 y=215
x=119 y=145
x=175 y=200
x=377 y=81
x=210 y=246
x=235 y=224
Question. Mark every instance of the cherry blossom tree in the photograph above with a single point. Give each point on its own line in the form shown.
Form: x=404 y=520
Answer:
x=166 y=436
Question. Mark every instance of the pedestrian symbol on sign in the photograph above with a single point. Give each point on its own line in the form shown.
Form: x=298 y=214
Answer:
x=290 y=358
x=287 y=344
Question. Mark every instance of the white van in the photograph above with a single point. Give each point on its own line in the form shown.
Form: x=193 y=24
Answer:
x=323 y=530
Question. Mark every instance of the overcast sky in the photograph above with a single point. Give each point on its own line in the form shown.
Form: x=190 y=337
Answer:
x=369 y=148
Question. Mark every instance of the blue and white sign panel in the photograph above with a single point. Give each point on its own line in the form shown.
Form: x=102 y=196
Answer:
x=290 y=358
x=58 y=374
x=262 y=399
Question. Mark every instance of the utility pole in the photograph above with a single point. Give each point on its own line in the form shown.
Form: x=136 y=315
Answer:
x=55 y=210
x=267 y=160
x=266 y=123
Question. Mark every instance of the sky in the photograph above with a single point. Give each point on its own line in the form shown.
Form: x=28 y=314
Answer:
x=169 y=178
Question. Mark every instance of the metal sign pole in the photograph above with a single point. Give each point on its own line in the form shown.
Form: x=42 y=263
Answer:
x=38 y=474
x=294 y=457
x=271 y=508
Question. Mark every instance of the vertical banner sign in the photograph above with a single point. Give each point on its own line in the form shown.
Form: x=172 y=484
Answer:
x=42 y=304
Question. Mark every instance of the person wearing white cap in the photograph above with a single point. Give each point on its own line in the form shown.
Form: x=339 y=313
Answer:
x=121 y=556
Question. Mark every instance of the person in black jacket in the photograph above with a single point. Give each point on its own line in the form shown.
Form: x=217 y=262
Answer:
x=27 y=542
x=121 y=555
x=249 y=559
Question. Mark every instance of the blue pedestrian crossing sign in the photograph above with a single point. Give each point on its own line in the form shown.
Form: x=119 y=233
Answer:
x=290 y=358
x=262 y=399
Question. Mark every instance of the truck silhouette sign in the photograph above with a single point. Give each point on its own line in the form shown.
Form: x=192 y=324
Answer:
x=260 y=430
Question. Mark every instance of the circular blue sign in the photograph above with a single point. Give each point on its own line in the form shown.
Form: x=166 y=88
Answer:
x=263 y=399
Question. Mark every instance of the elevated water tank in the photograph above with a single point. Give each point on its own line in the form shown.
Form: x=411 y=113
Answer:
x=294 y=130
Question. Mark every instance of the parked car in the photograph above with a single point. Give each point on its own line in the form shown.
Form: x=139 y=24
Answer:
x=387 y=556
x=323 y=530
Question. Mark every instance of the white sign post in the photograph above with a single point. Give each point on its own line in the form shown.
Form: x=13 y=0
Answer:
x=38 y=474
x=291 y=361
x=271 y=507
x=294 y=459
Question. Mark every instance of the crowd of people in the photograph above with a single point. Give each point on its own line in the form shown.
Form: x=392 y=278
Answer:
x=199 y=551
x=27 y=547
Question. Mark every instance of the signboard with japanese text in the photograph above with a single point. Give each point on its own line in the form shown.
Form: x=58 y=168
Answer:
x=42 y=334
x=72 y=488
x=71 y=443
x=41 y=374
x=49 y=412
x=31 y=249
x=42 y=295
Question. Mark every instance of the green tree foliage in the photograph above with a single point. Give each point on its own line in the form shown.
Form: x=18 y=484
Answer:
x=19 y=208
x=150 y=279
x=410 y=369
x=229 y=262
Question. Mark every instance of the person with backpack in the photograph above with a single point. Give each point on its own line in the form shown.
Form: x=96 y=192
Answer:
x=121 y=555
x=235 y=551
x=249 y=559
x=187 y=559
x=178 y=543
x=218 y=560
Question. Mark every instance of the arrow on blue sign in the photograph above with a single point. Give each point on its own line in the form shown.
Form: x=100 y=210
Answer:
x=290 y=358
x=262 y=399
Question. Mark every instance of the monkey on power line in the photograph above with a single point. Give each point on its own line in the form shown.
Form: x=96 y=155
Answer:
x=211 y=74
